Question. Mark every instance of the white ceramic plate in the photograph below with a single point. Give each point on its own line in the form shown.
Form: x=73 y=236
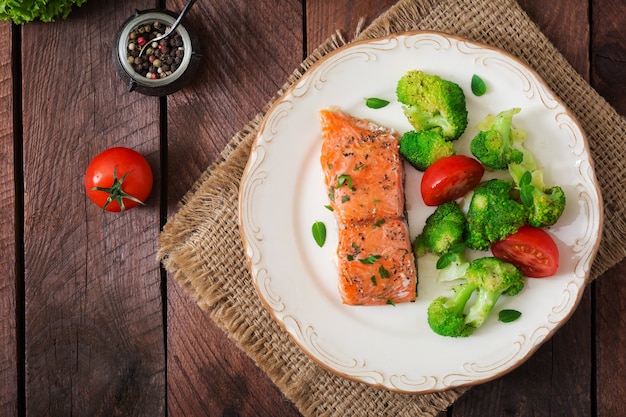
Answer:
x=283 y=194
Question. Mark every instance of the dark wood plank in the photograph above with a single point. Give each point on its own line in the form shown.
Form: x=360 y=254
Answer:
x=207 y=373
x=610 y=339
x=608 y=72
x=556 y=380
x=609 y=51
x=566 y=24
x=324 y=18
x=94 y=324
x=8 y=262
x=235 y=80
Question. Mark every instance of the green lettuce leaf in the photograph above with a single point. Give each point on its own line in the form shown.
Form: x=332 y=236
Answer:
x=23 y=11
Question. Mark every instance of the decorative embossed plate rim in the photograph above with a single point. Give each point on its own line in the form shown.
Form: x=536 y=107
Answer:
x=282 y=194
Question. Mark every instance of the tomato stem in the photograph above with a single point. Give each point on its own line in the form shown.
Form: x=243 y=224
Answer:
x=116 y=193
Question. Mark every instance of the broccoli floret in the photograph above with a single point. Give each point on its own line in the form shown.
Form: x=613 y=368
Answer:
x=545 y=203
x=446 y=315
x=489 y=277
x=423 y=148
x=430 y=102
x=494 y=145
x=493 y=214
x=443 y=229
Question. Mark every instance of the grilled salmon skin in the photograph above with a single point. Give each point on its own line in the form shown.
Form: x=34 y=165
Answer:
x=364 y=175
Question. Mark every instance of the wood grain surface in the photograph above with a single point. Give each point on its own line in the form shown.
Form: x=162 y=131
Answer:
x=10 y=263
x=91 y=325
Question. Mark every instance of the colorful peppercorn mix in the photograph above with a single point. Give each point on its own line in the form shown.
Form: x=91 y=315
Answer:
x=159 y=59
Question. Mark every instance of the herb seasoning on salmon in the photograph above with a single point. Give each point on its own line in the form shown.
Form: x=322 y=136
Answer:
x=364 y=175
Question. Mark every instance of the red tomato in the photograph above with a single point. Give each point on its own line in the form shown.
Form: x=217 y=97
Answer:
x=118 y=179
x=450 y=178
x=531 y=250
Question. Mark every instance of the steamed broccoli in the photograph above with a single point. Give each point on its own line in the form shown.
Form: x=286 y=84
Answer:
x=489 y=278
x=493 y=214
x=495 y=144
x=430 y=102
x=423 y=148
x=545 y=203
x=443 y=229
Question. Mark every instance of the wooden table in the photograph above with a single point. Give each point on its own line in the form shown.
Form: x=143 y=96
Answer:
x=91 y=326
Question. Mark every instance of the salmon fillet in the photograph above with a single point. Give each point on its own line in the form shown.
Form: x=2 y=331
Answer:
x=364 y=175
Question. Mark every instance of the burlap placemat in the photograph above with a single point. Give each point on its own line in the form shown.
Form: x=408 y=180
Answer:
x=201 y=244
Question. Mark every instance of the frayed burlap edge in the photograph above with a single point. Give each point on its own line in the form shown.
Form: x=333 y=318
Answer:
x=201 y=243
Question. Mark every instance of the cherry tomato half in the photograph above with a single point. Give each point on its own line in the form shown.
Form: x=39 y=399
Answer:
x=531 y=250
x=450 y=178
x=118 y=179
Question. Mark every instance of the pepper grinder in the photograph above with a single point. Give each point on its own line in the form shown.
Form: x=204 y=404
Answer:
x=176 y=60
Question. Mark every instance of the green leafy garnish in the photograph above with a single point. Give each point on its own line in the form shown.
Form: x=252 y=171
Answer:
x=345 y=179
x=445 y=260
x=478 y=86
x=44 y=10
x=370 y=259
x=450 y=256
x=526 y=189
x=378 y=223
x=507 y=316
x=383 y=272
x=319 y=233
x=376 y=103
x=331 y=193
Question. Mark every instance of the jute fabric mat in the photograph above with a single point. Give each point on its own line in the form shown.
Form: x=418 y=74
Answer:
x=202 y=247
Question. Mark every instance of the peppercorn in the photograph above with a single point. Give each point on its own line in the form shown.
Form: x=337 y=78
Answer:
x=161 y=58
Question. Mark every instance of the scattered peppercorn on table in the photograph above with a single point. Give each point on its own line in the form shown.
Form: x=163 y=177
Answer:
x=92 y=325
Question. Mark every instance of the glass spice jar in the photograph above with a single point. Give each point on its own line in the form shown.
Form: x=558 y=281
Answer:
x=165 y=66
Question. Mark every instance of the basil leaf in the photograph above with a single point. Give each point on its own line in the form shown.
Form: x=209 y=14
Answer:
x=319 y=233
x=376 y=103
x=507 y=316
x=526 y=178
x=445 y=260
x=457 y=247
x=526 y=195
x=478 y=86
